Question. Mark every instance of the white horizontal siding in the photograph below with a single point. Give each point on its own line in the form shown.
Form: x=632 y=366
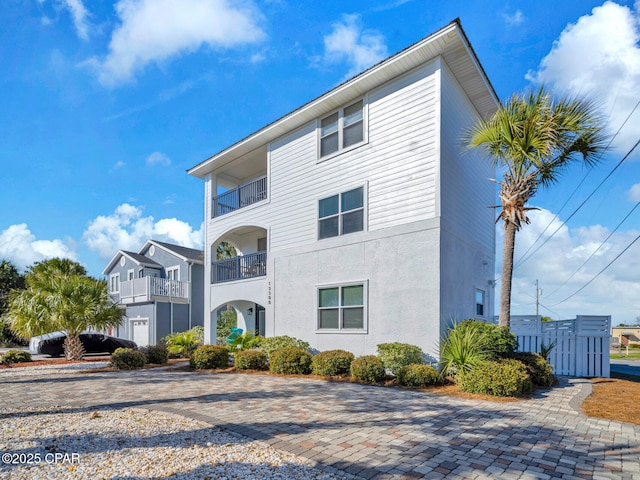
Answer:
x=467 y=192
x=397 y=164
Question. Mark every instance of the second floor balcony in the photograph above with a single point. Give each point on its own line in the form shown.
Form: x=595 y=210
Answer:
x=239 y=268
x=148 y=289
x=240 y=196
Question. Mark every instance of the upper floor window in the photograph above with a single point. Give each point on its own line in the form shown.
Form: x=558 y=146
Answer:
x=342 y=129
x=480 y=303
x=114 y=283
x=341 y=214
x=173 y=273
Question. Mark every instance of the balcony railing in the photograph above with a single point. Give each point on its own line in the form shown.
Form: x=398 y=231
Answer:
x=147 y=289
x=241 y=196
x=239 y=268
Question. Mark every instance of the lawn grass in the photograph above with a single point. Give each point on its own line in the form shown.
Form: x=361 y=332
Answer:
x=614 y=398
x=634 y=354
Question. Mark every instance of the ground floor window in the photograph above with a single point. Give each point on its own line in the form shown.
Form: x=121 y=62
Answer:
x=341 y=307
x=480 y=299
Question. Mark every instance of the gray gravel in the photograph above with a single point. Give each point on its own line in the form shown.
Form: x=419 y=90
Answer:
x=70 y=443
x=62 y=443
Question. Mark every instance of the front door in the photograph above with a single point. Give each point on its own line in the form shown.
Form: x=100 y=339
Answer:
x=260 y=319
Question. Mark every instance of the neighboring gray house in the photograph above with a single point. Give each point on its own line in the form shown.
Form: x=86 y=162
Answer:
x=358 y=218
x=161 y=289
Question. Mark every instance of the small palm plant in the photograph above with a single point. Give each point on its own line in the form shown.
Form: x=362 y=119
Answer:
x=462 y=348
x=246 y=341
x=545 y=350
x=183 y=344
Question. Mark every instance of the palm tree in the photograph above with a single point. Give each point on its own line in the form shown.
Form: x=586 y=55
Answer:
x=533 y=137
x=60 y=298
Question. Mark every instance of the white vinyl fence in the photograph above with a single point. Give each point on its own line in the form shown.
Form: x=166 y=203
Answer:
x=582 y=344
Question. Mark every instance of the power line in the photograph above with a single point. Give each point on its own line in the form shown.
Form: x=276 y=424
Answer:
x=600 y=272
x=596 y=250
x=522 y=259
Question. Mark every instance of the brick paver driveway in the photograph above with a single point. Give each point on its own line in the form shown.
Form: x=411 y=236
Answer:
x=366 y=431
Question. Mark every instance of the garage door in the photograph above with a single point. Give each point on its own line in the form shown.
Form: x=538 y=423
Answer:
x=140 y=329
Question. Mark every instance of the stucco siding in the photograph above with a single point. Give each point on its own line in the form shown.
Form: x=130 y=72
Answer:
x=400 y=272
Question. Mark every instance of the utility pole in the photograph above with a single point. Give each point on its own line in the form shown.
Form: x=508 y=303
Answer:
x=538 y=292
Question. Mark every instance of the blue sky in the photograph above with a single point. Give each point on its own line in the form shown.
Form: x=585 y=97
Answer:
x=106 y=104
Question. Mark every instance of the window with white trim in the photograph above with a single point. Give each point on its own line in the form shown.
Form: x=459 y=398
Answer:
x=341 y=214
x=480 y=302
x=114 y=283
x=130 y=274
x=173 y=273
x=342 y=129
x=341 y=307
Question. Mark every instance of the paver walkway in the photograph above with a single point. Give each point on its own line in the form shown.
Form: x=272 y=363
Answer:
x=366 y=431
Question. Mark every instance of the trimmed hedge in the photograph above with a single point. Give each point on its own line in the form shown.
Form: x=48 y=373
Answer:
x=502 y=378
x=396 y=355
x=539 y=369
x=418 y=375
x=249 y=360
x=128 y=359
x=332 y=362
x=15 y=356
x=368 y=368
x=209 y=356
x=270 y=344
x=291 y=361
x=158 y=354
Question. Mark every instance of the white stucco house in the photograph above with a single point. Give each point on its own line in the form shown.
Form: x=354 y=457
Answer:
x=359 y=218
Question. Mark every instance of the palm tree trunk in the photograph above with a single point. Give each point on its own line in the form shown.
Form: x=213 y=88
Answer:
x=73 y=348
x=507 y=273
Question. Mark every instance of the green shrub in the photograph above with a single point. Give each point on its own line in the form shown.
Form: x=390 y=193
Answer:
x=209 y=356
x=250 y=360
x=270 y=344
x=227 y=320
x=503 y=378
x=157 y=354
x=418 y=375
x=539 y=369
x=498 y=342
x=368 y=368
x=290 y=360
x=396 y=355
x=183 y=344
x=128 y=359
x=15 y=356
x=461 y=349
x=332 y=362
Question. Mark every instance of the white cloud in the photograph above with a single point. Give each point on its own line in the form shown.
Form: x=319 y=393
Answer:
x=153 y=31
x=118 y=165
x=634 y=191
x=515 y=19
x=79 y=16
x=614 y=292
x=158 y=158
x=599 y=56
x=127 y=229
x=360 y=49
x=19 y=246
